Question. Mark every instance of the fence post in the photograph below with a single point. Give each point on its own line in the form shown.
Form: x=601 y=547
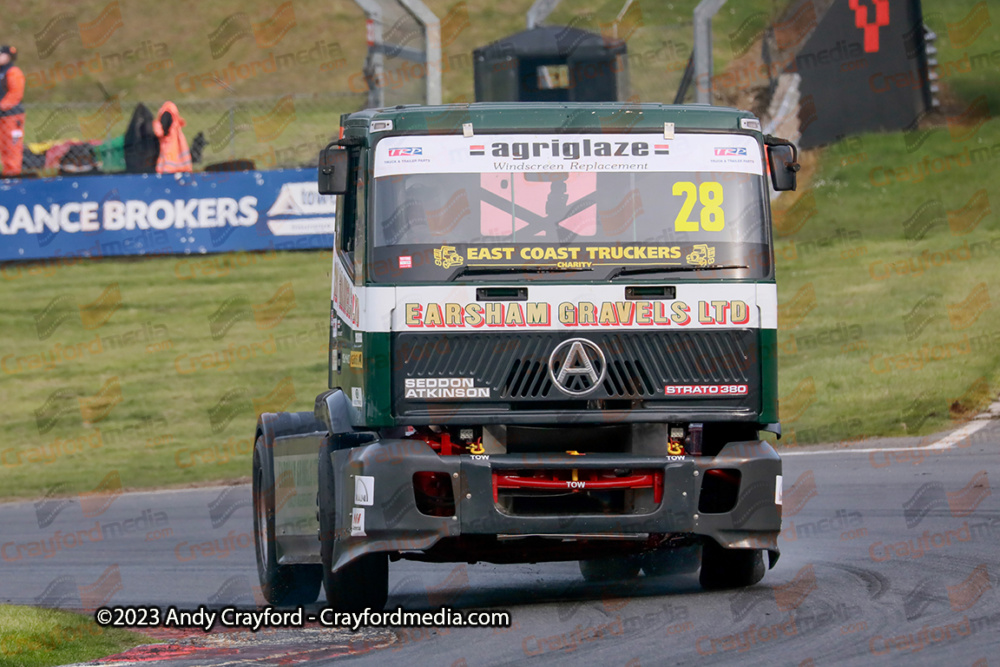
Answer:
x=702 y=58
x=432 y=47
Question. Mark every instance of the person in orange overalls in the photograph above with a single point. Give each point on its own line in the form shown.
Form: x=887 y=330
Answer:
x=11 y=112
x=174 y=153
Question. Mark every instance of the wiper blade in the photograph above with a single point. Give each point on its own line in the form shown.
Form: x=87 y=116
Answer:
x=488 y=270
x=634 y=270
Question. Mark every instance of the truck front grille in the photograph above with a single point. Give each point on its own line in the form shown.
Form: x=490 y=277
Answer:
x=639 y=364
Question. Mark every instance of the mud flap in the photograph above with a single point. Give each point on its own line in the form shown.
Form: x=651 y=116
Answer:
x=755 y=520
x=376 y=510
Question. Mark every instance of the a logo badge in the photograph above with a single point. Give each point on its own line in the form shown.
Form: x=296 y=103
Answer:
x=364 y=490
x=406 y=152
x=358 y=522
x=577 y=367
x=701 y=254
x=446 y=257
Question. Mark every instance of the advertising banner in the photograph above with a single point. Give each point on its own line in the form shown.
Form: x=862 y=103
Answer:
x=588 y=153
x=168 y=214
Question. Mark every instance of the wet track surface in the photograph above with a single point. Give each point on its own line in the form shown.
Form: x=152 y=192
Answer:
x=887 y=557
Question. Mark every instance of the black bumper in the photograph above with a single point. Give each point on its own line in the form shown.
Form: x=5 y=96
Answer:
x=393 y=523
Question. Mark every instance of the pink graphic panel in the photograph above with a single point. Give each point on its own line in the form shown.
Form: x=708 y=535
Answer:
x=533 y=196
x=583 y=223
x=494 y=222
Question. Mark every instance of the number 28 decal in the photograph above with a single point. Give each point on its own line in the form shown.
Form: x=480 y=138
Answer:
x=709 y=195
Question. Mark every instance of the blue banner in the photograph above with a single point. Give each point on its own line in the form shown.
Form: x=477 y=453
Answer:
x=168 y=214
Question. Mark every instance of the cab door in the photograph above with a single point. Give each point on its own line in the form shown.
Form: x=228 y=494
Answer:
x=347 y=275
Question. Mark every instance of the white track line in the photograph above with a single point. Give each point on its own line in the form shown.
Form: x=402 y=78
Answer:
x=947 y=442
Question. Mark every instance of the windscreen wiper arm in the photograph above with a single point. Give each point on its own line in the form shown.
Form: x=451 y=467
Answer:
x=488 y=270
x=634 y=270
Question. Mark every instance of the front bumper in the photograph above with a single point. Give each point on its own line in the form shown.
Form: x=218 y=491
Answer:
x=392 y=523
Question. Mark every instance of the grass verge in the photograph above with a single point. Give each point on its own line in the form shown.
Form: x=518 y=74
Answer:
x=32 y=637
x=886 y=325
x=159 y=383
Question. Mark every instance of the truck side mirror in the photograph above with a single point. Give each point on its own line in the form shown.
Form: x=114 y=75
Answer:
x=333 y=168
x=782 y=159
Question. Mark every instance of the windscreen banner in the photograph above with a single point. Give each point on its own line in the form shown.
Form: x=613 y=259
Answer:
x=595 y=153
x=448 y=206
x=168 y=214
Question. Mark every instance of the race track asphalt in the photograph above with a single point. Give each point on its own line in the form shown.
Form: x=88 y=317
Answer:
x=889 y=556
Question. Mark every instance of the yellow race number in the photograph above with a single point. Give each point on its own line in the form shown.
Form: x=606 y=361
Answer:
x=709 y=195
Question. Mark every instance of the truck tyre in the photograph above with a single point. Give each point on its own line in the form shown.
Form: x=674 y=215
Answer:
x=674 y=561
x=362 y=583
x=729 y=568
x=283 y=585
x=618 y=568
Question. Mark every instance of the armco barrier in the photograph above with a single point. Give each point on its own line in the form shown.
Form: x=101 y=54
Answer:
x=173 y=214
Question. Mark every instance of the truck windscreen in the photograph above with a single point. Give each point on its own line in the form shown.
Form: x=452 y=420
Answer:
x=564 y=202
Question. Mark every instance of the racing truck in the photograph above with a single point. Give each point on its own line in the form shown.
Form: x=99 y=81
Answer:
x=552 y=337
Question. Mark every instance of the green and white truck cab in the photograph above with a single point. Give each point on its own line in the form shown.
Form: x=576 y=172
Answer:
x=553 y=337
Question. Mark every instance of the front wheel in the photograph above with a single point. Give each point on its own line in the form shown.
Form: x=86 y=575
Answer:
x=282 y=585
x=362 y=583
x=729 y=568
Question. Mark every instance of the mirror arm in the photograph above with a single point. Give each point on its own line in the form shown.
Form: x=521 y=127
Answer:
x=771 y=140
